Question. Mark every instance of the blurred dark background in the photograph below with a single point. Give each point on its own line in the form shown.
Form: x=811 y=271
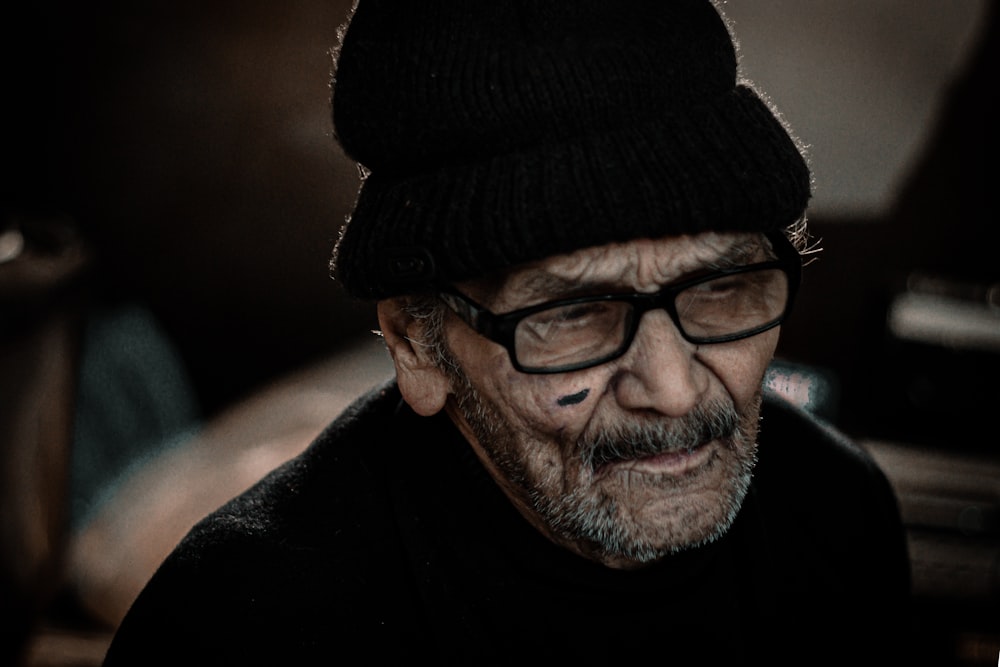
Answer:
x=891 y=100
x=191 y=144
x=171 y=178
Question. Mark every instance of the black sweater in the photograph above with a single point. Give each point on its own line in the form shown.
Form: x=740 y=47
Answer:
x=386 y=542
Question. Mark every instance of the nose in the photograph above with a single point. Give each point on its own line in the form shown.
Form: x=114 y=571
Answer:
x=660 y=371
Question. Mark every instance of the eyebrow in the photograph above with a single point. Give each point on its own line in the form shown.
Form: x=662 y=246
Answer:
x=545 y=284
x=741 y=254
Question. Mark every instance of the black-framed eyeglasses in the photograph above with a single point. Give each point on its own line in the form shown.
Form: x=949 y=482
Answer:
x=573 y=334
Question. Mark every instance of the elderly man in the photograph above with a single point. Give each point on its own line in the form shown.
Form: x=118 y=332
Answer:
x=582 y=234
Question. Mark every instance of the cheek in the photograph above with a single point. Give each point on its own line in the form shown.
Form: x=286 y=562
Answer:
x=549 y=408
x=741 y=365
x=545 y=406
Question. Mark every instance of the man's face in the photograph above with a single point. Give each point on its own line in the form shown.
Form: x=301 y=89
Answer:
x=633 y=459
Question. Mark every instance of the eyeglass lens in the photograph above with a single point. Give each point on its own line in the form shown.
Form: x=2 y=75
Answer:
x=718 y=308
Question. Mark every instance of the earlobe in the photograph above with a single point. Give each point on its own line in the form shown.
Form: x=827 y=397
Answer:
x=424 y=386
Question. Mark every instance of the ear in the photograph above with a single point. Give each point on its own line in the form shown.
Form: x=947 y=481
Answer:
x=424 y=386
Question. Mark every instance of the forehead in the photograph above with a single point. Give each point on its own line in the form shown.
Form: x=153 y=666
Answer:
x=639 y=265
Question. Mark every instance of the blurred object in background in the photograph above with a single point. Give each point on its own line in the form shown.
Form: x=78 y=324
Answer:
x=190 y=146
x=811 y=388
x=943 y=312
x=134 y=400
x=950 y=503
x=861 y=82
x=904 y=310
x=196 y=150
x=43 y=262
x=148 y=508
x=942 y=353
x=940 y=381
x=938 y=229
x=939 y=386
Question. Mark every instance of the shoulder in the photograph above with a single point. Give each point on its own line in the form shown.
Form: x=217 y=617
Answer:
x=310 y=549
x=802 y=456
x=790 y=430
x=332 y=480
x=824 y=495
x=819 y=479
x=330 y=500
x=831 y=521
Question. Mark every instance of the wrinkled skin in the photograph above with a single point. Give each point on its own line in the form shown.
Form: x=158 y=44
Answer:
x=671 y=481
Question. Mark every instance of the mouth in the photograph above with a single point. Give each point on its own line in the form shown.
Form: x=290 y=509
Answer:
x=673 y=463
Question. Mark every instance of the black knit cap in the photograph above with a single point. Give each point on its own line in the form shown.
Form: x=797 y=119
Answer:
x=498 y=133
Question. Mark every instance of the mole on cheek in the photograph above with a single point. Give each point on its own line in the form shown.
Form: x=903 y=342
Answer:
x=573 y=399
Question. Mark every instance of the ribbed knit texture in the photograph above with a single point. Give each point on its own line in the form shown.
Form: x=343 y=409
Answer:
x=501 y=133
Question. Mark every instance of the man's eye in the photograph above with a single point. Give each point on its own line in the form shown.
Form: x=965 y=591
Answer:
x=582 y=311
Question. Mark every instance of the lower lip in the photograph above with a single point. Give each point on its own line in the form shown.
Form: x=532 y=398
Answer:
x=671 y=463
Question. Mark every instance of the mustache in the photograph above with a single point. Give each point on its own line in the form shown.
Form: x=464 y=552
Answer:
x=637 y=439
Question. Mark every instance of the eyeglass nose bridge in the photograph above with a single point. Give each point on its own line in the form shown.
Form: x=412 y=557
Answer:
x=641 y=304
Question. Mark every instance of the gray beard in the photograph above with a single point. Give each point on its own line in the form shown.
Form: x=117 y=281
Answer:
x=635 y=440
x=589 y=516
